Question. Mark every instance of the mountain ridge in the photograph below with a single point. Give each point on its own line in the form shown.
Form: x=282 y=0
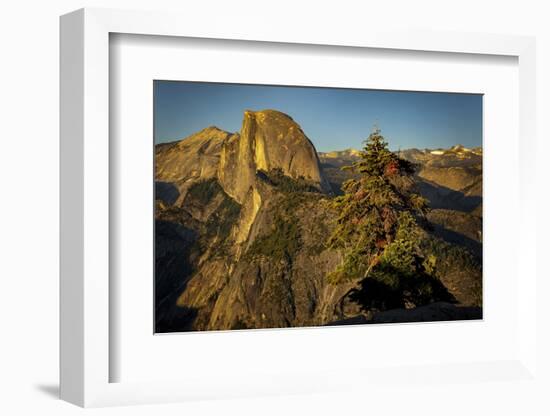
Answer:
x=268 y=140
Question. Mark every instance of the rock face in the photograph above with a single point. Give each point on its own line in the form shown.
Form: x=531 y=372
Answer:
x=182 y=163
x=260 y=264
x=267 y=284
x=450 y=178
x=241 y=225
x=268 y=140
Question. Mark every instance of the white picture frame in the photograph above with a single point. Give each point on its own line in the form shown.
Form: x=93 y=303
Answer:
x=85 y=355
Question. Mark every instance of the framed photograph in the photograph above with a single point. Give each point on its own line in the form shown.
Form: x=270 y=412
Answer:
x=265 y=224
x=239 y=212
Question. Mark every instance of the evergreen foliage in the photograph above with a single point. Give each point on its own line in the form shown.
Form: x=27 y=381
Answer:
x=276 y=177
x=282 y=242
x=377 y=230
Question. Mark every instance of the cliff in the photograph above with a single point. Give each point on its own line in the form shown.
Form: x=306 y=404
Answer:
x=268 y=140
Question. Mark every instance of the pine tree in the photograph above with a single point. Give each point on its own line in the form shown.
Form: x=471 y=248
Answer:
x=378 y=232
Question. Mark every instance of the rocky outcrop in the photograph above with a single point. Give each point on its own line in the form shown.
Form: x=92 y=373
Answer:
x=263 y=266
x=268 y=140
x=187 y=161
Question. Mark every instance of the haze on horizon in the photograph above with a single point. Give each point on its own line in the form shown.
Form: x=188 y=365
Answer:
x=332 y=118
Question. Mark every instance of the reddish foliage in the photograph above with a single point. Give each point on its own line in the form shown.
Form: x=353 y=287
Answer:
x=360 y=194
x=381 y=243
x=389 y=219
x=392 y=168
x=386 y=212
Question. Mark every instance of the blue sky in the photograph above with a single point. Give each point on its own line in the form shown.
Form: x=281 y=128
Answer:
x=332 y=118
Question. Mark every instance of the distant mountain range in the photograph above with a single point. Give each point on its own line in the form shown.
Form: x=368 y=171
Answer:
x=242 y=218
x=449 y=178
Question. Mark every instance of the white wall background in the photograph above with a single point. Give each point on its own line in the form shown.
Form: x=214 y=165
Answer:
x=29 y=187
